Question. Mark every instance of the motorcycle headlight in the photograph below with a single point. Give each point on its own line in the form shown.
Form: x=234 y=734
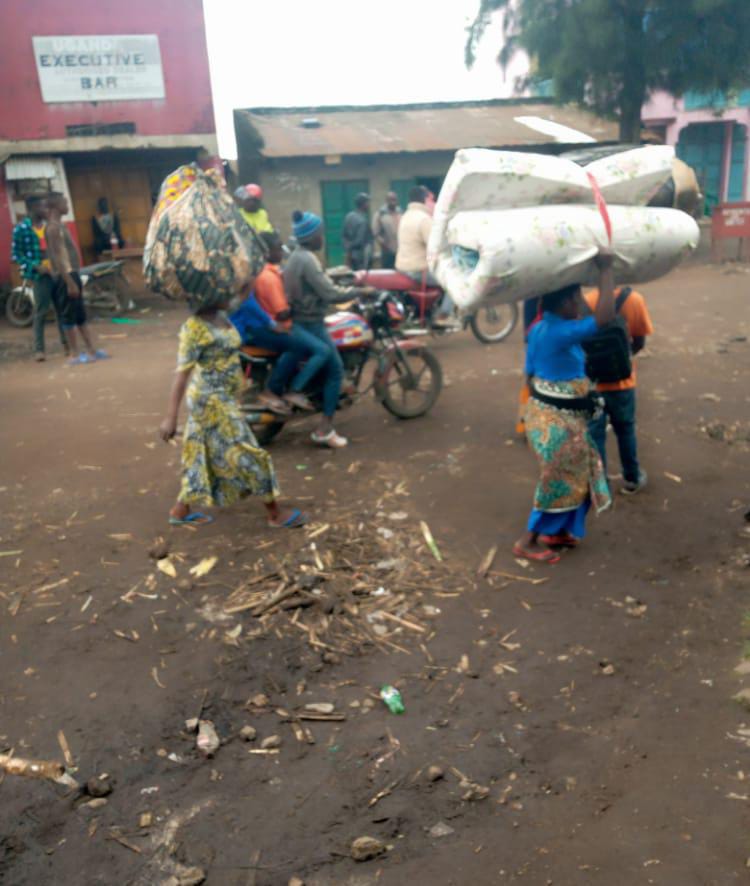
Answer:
x=396 y=310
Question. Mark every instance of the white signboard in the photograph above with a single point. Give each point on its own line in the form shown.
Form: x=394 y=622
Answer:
x=99 y=69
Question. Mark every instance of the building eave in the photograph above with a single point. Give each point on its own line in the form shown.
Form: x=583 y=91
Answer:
x=126 y=142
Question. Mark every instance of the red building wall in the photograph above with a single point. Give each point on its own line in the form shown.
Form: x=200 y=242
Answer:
x=187 y=107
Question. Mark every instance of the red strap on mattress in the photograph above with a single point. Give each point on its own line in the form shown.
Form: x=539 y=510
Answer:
x=601 y=205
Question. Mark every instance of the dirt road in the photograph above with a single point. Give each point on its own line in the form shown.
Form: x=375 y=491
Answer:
x=593 y=699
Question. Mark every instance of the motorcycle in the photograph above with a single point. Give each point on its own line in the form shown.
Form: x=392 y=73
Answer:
x=407 y=378
x=104 y=289
x=490 y=323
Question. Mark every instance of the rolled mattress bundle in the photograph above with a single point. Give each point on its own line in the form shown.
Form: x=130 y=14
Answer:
x=512 y=225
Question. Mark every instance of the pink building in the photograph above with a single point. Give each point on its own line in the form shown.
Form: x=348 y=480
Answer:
x=710 y=133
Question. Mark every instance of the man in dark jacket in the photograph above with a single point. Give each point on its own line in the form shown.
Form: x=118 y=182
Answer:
x=356 y=235
x=311 y=293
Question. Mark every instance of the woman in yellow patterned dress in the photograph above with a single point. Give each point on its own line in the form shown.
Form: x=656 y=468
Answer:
x=221 y=459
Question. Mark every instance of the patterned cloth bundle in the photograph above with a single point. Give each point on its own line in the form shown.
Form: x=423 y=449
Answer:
x=198 y=247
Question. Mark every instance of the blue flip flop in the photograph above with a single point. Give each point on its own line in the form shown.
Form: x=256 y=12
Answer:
x=81 y=359
x=193 y=517
x=295 y=520
x=101 y=355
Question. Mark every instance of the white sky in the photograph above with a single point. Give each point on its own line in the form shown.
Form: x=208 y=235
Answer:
x=331 y=52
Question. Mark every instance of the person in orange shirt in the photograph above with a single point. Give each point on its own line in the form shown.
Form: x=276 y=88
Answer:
x=293 y=343
x=619 y=397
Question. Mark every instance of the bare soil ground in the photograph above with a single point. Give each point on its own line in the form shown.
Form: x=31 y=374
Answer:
x=596 y=706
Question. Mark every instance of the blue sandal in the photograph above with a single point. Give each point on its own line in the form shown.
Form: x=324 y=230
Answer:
x=294 y=521
x=192 y=517
x=81 y=359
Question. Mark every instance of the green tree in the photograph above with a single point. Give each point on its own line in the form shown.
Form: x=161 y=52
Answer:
x=609 y=55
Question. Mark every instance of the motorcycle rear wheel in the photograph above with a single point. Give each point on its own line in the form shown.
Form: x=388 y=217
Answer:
x=411 y=399
x=19 y=308
x=493 y=323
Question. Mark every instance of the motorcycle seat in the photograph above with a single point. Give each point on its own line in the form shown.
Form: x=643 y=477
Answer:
x=101 y=268
x=395 y=281
x=253 y=351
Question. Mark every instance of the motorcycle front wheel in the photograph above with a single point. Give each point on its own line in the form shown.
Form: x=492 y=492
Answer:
x=19 y=308
x=265 y=433
x=412 y=383
x=493 y=323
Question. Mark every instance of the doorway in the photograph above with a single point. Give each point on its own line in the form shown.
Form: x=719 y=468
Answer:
x=338 y=200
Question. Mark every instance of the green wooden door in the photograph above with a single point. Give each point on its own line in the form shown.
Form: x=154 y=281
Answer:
x=736 y=183
x=701 y=146
x=338 y=200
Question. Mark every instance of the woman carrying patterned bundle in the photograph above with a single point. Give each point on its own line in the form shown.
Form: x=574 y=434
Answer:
x=221 y=459
x=557 y=416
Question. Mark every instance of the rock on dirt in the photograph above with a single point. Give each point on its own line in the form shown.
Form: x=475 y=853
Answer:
x=159 y=549
x=365 y=848
x=259 y=700
x=186 y=876
x=435 y=773
x=441 y=829
x=208 y=742
x=248 y=733
x=273 y=741
x=99 y=787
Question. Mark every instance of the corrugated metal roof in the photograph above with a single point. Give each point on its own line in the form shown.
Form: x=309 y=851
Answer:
x=18 y=168
x=407 y=128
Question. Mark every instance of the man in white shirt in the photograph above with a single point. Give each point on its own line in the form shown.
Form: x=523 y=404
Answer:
x=411 y=258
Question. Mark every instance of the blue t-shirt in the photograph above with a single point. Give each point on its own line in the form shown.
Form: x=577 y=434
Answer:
x=554 y=350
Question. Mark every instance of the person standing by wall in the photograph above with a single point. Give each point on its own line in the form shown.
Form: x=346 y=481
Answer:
x=385 y=229
x=356 y=235
x=65 y=266
x=30 y=253
x=250 y=200
x=619 y=396
x=105 y=226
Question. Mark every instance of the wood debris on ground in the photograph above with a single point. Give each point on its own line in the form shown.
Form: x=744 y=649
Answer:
x=352 y=588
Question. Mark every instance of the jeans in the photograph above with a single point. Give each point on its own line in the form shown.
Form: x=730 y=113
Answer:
x=333 y=367
x=619 y=406
x=291 y=351
x=46 y=297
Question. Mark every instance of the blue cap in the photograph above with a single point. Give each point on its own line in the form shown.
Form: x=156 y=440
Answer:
x=305 y=224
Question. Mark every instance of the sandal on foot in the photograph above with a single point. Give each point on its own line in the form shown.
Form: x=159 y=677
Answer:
x=559 y=541
x=101 y=355
x=538 y=556
x=192 y=517
x=294 y=398
x=293 y=521
x=274 y=403
x=81 y=359
x=331 y=439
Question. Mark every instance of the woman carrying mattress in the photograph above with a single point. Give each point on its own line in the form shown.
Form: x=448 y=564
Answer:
x=557 y=416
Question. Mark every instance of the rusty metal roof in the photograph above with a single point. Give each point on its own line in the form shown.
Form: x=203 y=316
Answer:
x=387 y=129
